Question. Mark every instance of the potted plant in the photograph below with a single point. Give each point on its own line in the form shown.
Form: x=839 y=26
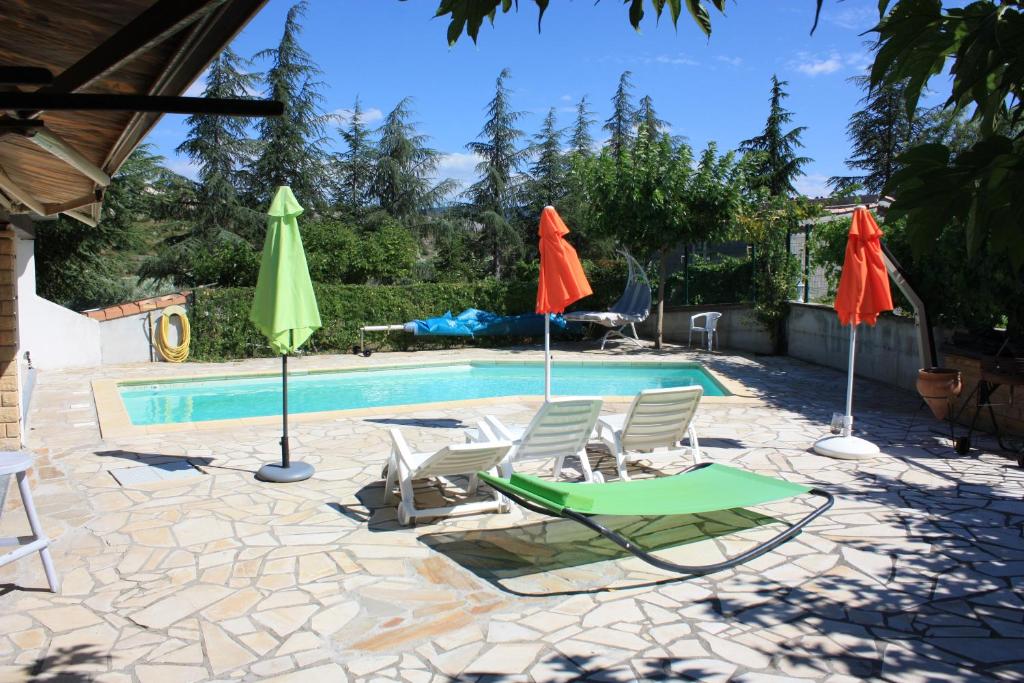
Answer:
x=938 y=386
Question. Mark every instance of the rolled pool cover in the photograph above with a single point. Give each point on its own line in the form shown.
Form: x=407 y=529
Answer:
x=473 y=322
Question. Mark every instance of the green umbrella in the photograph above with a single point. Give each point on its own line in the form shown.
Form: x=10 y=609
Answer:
x=284 y=310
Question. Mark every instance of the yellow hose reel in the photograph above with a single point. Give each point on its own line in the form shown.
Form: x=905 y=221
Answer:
x=162 y=337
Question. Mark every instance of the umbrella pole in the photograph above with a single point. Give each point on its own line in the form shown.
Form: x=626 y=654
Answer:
x=285 y=454
x=848 y=418
x=547 y=356
x=287 y=471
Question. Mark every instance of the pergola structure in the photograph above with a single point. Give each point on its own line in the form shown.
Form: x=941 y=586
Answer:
x=81 y=84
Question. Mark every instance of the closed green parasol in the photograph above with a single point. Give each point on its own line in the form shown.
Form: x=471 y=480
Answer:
x=284 y=310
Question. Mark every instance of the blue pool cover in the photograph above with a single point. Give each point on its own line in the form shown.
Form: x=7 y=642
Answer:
x=473 y=322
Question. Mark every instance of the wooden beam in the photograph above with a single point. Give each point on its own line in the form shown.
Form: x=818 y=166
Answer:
x=207 y=38
x=82 y=218
x=71 y=204
x=50 y=142
x=160 y=21
x=20 y=195
x=27 y=102
x=25 y=75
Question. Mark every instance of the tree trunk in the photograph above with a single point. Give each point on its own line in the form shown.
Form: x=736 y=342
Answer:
x=662 y=275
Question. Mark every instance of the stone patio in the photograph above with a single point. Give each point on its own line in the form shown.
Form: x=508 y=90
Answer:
x=916 y=574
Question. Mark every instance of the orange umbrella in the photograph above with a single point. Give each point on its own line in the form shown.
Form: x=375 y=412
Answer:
x=562 y=280
x=864 y=285
x=863 y=294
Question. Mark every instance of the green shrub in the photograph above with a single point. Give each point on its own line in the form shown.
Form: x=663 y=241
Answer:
x=221 y=329
x=724 y=281
x=960 y=291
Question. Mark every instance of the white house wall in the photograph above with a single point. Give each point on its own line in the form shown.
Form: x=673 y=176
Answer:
x=55 y=337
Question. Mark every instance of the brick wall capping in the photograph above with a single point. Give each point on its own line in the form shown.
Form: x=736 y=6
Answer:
x=141 y=306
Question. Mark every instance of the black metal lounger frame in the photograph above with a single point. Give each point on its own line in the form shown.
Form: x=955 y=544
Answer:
x=625 y=543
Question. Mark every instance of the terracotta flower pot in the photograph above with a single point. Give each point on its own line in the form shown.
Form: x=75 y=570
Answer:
x=937 y=386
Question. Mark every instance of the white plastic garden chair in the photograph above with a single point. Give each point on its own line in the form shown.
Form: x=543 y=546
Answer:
x=404 y=466
x=708 y=330
x=18 y=464
x=656 y=423
x=560 y=428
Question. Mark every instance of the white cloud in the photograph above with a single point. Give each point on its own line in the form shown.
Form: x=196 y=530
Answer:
x=370 y=115
x=813 y=185
x=860 y=61
x=813 y=65
x=851 y=17
x=184 y=166
x=731 y=61
x=456 y=162
x=675 y=60
x=566 y=98
x=460 y=167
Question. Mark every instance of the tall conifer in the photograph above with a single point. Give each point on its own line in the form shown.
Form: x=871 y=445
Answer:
x=778 y=165
x=494 y=194
x=291 y=147
x=354 y=167
x=621 y=123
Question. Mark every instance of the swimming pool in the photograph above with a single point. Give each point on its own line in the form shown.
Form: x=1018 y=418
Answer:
x=171 y=402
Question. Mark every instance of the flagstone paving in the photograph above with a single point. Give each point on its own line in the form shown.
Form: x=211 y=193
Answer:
x=916 y=574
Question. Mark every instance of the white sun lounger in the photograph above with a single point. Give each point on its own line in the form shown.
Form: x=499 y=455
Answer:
x=405 y=466
x=632 y=307
x=560 y=428
x=653 y=428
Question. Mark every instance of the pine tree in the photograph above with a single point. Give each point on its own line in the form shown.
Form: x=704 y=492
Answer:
x=494 y=195
x=219 y=145
x=648 y=119
x=621 y=123
x=880 y=132
x=778 y=166
x=548 y=174
x=76 y=264
x=402 y=182
x=291 y=147
x=355 y=166
x=581 y=142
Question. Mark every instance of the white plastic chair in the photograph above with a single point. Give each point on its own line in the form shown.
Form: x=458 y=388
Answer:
x=405 y=466
x=560 y=428
x=656 y=423
x=18 y=464
x=709 y=330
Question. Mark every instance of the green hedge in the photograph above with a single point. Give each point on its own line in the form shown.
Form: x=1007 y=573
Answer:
x=221 y=329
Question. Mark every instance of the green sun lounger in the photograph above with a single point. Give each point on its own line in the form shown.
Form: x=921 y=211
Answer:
x=707 y=487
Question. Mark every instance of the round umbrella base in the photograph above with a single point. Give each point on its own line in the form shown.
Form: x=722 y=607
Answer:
x=845 y=447
x=296 y=471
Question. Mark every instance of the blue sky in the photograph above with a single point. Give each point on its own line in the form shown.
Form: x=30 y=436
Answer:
x=717 y=89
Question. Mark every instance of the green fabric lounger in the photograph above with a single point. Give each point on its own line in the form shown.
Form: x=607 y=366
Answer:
x=707 y=487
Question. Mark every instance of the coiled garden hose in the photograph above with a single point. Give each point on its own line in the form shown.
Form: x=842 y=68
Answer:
x=162 y=340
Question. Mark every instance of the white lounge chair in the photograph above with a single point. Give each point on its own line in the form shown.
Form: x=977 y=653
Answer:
x=405 y=466
x=653 y=428
x=632 y=307
x=560 y=428
x=708 y=330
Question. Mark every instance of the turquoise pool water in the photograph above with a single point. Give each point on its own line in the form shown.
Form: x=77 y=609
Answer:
x=231 y=398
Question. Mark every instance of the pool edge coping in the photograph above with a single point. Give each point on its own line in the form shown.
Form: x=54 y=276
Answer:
x=113 y=419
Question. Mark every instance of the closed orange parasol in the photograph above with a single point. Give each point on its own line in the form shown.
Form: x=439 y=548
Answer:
x=562 y=280
x=863 y=294
x=864 y=285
